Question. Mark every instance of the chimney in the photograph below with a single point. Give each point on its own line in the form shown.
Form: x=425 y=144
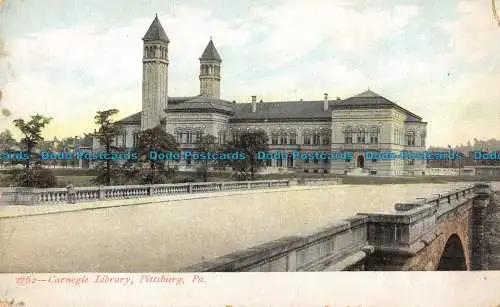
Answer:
x=254 y=104
x=325 y=104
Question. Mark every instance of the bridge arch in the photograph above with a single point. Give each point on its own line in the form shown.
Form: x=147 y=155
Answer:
x=453 y=257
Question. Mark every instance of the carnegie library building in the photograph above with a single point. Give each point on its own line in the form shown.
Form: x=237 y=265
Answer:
x=361 y=123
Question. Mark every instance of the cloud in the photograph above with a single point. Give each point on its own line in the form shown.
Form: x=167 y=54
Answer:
x=291 y=50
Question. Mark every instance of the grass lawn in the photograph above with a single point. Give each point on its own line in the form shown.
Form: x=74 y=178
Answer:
x=77 y=181
x=84 y=177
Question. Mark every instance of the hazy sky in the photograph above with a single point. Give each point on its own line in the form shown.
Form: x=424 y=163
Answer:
x=439 y=59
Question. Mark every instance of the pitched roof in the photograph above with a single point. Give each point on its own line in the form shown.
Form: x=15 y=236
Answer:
x=132 y=119
x=203 y=104
x=210 y=52
x=281 y=110
x=314 y=109
x=156 y=32
x=136 y=117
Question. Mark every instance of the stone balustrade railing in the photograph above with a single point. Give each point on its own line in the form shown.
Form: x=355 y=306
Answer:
x=29 y=196
x=344 y=245
x=320 y=181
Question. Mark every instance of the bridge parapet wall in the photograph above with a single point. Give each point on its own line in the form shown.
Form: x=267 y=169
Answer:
x=367 y=241
x=340 y=244
x=413 y=225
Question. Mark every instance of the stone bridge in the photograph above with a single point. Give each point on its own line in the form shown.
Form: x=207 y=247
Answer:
x=444 y=232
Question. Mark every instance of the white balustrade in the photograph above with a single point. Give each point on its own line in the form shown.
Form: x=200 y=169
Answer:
x=86 y=194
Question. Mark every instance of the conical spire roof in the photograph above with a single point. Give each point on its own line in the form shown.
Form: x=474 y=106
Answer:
x=156 y=32
x=210 y=52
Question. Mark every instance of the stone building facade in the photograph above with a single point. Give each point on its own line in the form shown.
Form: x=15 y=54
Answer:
x=364 y=122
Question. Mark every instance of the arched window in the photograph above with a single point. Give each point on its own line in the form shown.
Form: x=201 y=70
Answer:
x=292 y=138
x=275 y=138
x=361 y=136
x=374 y=135
x=422 y=139
x=307 y=138
x=410 y=138
x=348 y=135
x=326 y=137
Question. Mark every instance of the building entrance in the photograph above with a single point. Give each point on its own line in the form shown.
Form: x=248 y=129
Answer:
x=361 y=161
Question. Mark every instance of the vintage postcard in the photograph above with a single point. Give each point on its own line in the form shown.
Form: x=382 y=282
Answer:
x=249 y=153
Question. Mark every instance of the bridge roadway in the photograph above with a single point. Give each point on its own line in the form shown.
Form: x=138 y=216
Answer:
x=170 y=236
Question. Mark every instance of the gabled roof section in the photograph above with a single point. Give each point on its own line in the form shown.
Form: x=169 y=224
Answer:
x=210 y=52
x=203 y=104
x=367 y=98
x=135 y=119
x=132 y=119
x=282 y=110
x=367 y=94
x=313 y=110
x=156 y=32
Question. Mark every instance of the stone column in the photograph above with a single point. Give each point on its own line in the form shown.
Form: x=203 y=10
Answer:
x=477 y=239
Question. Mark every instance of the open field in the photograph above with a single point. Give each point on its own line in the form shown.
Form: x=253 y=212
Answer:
x=84 y=177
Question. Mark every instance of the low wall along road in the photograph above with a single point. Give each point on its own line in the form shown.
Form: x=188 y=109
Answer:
x=171 y=235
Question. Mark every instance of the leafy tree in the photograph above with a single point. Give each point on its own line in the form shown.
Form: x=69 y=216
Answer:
x=208 y=143
x=248 y=143
x=7 y=143
x=86 y=141
x=32 y=131
x=106 y=133
x=156 y=139
x=35 y=177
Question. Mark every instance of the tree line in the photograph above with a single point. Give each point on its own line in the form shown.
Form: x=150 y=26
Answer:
x=35 y=172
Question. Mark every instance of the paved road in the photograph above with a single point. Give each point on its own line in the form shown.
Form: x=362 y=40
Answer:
x=168 y=236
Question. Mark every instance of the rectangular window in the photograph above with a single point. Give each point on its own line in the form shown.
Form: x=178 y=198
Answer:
x=279 y=163
x=269 y=162
x=283 y=139
x=274 y=139
x=316 y=139
x=348 y=139
x=307 y=140
x=293 y=139
x=135 y=141
x=315 y=161
x=199 y=136
x=326 y=139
